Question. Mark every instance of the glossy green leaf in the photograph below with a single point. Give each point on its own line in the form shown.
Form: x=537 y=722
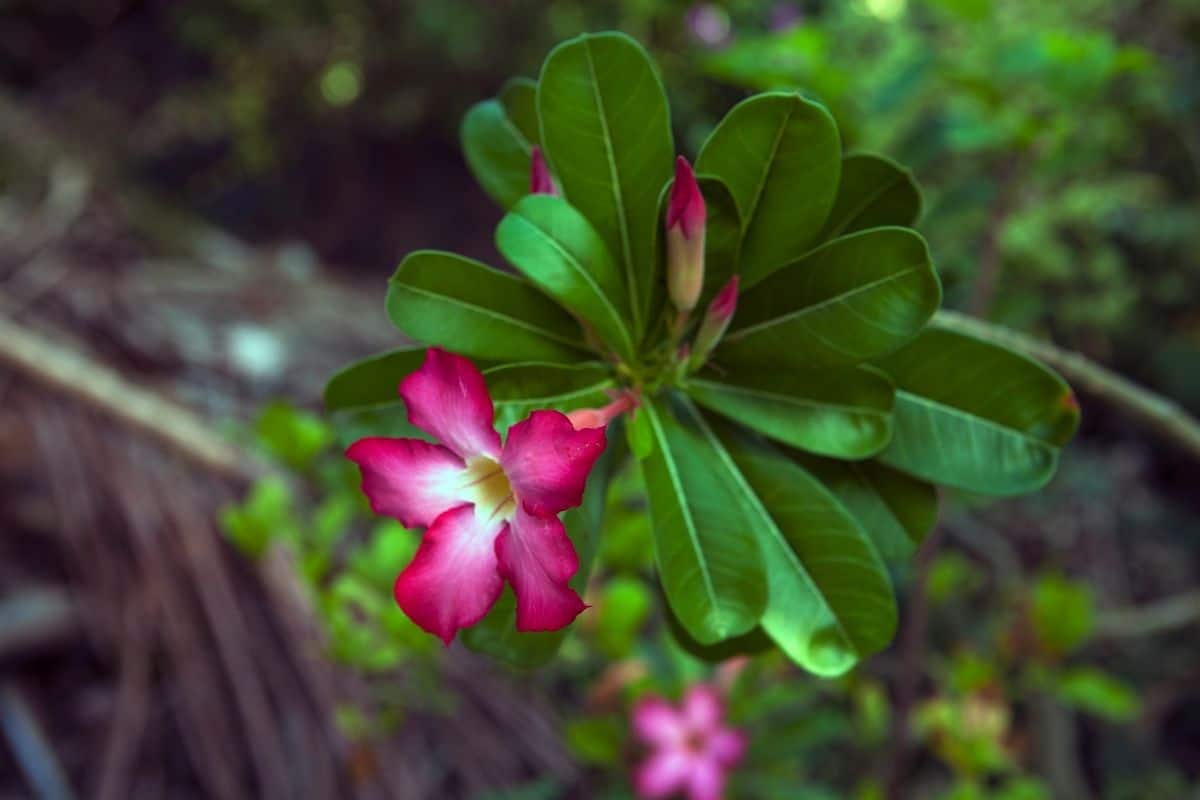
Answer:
x=976 y=416
x=497 y=634
x=846 y=413
x=559 y=251
x=746 y=644
x=852 y=299
x=704 y=542
x=518 y=96
x=780 y=156
x=830 y=601
x=468 y=307
x=497 y=152
x=518 y=389
x=874 y=191
x=896 y=510
x=363 y=399
x=607 y=134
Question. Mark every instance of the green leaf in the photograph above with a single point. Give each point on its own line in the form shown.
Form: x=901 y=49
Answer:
x=607 y=134
x=373 y=380
x=976 y=416
x=896 y=510
x=1063 y=613
x=780 y=156
x=874 y=191
x=704 y=541
x=747 y=644
x=497 y=634
x=559 y=251
x=519 y=98
x=518 y=389
x=468 y=307
x=852 y=299
x=624 y=606
x=830 y=601
x=844 y=413
x=497 y=153
x=1091 y=690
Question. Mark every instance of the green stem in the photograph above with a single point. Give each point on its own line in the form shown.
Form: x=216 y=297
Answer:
x=1158 y=413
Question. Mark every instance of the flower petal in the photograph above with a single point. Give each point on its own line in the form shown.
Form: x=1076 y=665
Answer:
x=702 y=708
x=657 y=723
x=408 y=479
x=663 y=774
x=547 y=461
x=726 y=746
x=706 y=780
x=452 y=581
x=536 y=556
x=448 y=399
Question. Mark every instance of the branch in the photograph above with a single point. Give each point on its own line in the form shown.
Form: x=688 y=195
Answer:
x=1158 y=413
x=71 y=372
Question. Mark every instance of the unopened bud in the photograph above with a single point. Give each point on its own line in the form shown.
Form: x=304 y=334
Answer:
x=715 y=322
x=600 y=417
x=540 y=181
x=685 y=238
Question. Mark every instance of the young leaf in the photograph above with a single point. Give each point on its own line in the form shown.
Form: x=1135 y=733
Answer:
x=462 y=305
x=874 y=191
x=896 y=510
x=845 y=413
x=704 y=541
x=976 y=416
x=830 y=601
x=518 y=389
x=497 y=152
x=852 y=299
x=606 y=130
x=780 y=156
x=559 y=251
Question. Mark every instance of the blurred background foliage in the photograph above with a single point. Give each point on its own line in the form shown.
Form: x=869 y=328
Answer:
x=1058 y=144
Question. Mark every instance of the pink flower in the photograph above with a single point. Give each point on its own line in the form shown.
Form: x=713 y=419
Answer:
x=540 y=180
x=490 y=512
x=686 y=217
x=692 y=749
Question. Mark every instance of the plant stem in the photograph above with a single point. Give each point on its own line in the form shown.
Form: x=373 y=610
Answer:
x=1160 y=414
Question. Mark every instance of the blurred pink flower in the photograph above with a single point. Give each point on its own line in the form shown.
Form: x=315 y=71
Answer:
x=691 y=748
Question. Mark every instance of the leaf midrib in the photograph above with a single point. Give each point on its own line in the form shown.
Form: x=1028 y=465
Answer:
x=970 y=416
x=487 y=312
x=589 y=279
x=863 y=206
x=810 y=309
x=790 y=399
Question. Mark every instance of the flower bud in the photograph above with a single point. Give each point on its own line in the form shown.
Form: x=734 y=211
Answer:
x=716 y=321
x=540 y=181
x=685 y=238
x=582 y=418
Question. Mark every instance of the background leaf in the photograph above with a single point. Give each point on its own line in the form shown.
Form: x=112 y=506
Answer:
x=518 y=96
x=976 y=416
x=854 y=298
x=607 y=134
x=518 y=389
x=704 y=542
x=873 y=191
x=468 y=307
x=780 y=156
x=845 y=413
x=559 y=251
x=830 y=601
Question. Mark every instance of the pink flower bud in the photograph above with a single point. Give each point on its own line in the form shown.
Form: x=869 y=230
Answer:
x=685 y=238
x=540 y=181
x=716 y=321
x=583 y=418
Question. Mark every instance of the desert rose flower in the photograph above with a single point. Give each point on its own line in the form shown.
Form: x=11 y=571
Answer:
x=686 y=216
x=490 y=511
x=691 y=748
x=540 y=180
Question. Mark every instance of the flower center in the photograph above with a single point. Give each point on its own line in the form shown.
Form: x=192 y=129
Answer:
x=488 y=488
